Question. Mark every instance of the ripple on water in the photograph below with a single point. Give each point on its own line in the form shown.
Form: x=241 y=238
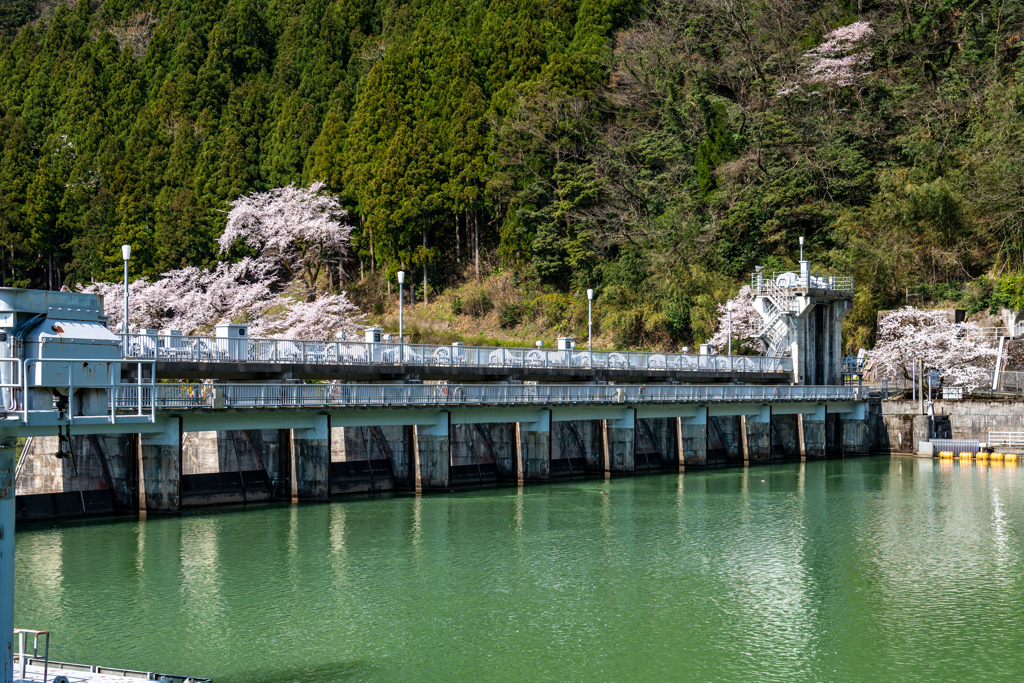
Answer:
x=859 y=570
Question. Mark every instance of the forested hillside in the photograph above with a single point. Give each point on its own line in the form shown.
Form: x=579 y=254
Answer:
x=655 y=151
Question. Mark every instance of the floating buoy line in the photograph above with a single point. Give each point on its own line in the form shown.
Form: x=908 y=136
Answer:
x=980 y=458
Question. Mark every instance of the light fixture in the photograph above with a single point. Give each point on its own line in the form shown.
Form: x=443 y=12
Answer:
x=401 y=317
x=590 y=320
x=126 y=254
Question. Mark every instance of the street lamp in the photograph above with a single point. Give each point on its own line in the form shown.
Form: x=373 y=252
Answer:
x=801 y=247
x=728 y=306
x=126 y=253
x=590 y=320
x=401 y=290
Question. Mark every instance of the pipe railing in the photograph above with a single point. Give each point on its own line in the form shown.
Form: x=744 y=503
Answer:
x=208 y=396
x=1006 y=439
x=227 y=350
x=764 y=284
x=136 y=397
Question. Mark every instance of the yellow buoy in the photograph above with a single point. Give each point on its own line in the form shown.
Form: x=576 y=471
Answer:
x=996 y=456
x=966 y=456
x=982 y=455
x=1012 y=457
x=946 y=454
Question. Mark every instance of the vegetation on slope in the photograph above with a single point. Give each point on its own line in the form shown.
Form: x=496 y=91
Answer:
x=655 y=151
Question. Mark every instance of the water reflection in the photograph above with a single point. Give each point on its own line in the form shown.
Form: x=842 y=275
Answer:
x=858 y=570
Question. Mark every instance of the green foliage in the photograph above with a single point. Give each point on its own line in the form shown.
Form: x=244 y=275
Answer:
x=510 y=314
x=1011 y=290
x=472 y=300
x=654 y=151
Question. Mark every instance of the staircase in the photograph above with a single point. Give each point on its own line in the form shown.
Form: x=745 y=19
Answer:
x=778 y=305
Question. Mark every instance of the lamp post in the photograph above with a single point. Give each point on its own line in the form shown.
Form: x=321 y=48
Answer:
x=590 y=320
x=126 y=253
x=728 y=306
x=801 y=247
x=401 y=290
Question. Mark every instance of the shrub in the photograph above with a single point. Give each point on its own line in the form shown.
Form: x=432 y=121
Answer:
x=509 y=315
x=474 y=301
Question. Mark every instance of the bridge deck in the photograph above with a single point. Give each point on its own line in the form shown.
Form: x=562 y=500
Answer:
x=222 y=358
x=227 y=370
x=169 y=396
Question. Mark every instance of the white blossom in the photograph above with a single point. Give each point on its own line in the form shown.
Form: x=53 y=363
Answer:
x=320 y=319
x=746 y=323
x=958 y=351
x=840 y=60
x=292 y=228
x=296 y=227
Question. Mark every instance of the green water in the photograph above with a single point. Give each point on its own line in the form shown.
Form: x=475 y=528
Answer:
x=857 y=570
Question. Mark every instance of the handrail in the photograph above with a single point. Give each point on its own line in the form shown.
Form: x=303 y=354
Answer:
x=23 y=656
x=225 y=350
x=213 y=396
x=817 y=279
x=1006 y=438
x=113 y=386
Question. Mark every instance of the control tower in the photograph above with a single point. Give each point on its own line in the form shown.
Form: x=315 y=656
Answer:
x=803 y=314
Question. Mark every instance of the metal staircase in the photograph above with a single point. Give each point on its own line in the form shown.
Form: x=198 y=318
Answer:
x=778 y=305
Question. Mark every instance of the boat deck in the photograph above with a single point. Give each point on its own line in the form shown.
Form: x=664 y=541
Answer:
x=80 y=673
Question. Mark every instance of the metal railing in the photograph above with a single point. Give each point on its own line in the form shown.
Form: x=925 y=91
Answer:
x=23 y=657
x=994 y=332
x=227 y=350
x=1006 y=439
x=1009 y=382
x=137 y=397
x=176 y=396
x=761 y=283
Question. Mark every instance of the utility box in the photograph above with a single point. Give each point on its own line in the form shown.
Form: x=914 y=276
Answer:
x=705 y=349
x=565 y=343
x=67 y=348
x=374 y=335
x=232 y=331
x=232 y=341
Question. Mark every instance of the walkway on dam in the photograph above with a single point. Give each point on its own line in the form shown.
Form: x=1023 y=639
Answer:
x=137 y=407
x=224 y=358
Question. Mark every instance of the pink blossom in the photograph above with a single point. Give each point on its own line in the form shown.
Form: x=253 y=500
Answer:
x=957 y=350
x=839 y=61
x=293 y=229
x=746 y=323
x=298 y=228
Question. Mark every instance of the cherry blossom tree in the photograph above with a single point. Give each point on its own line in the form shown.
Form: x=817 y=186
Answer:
x=746 y=324
x=294 y=229
x=840 y=60
x=298 y=228
x=320 y=319
x=958 y=351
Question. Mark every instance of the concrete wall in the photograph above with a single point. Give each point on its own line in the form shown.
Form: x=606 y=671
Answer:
x=234 y=451
x=725 y=443
x=899 y=426
x=391 y=443
x=785 y=437
x=757 y=439
x=578 y=439
x=655 y=443
x=101 y=462
x=479 y=444
x=310 y=464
